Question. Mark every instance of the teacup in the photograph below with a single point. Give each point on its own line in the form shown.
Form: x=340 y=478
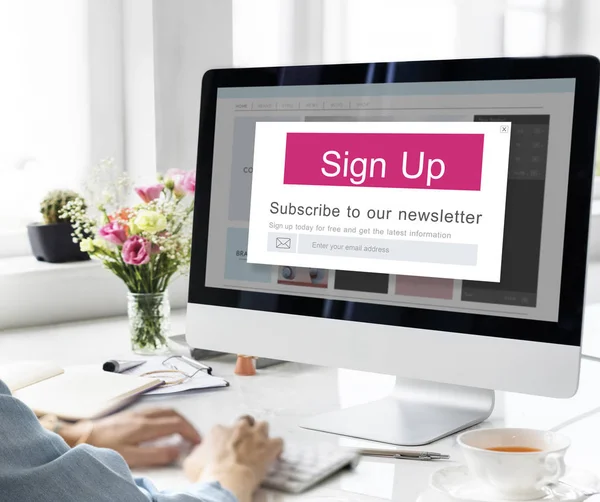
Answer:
x=517 y=464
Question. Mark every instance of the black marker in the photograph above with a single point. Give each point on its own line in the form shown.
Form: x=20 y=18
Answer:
x=116 y=366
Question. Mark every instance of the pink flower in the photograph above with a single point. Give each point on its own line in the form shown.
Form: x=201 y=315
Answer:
x=188 y=183
x=113 y=232
x=176 y=176
x=136 y=251
x=149 y=193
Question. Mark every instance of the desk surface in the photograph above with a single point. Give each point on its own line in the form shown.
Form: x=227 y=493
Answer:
x=285 y=393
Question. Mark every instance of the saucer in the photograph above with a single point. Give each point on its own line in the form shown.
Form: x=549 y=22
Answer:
x=457 y=483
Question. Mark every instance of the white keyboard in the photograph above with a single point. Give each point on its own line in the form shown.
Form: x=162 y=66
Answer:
x=303 y=466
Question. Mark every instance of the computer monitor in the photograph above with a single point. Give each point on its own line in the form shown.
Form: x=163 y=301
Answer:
x=423 y=219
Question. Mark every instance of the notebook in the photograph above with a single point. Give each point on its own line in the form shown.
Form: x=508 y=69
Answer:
x=72 y=393
x=200 y=381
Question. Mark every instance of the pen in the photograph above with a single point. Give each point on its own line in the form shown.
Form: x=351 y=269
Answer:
x=404 y=454
x=196 y=364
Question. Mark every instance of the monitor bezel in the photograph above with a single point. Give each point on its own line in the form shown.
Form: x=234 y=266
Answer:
x=585 y=71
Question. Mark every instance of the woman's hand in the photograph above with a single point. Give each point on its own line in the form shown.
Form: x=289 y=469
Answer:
x=125 y=432
x=238 y=457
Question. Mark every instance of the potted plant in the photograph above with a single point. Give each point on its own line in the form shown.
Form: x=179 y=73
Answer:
x=146 y=243
x=52 y=240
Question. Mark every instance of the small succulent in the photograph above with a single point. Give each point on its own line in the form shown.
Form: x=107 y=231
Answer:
x=52 y=205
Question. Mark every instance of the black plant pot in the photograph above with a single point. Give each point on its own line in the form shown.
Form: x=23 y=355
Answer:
x=54 y=243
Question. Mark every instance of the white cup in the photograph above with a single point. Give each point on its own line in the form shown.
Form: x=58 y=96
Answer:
x=515 y=476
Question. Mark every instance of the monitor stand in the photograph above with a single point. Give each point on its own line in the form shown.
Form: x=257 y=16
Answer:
x=416 y=413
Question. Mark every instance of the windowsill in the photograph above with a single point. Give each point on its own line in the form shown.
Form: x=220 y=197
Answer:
x=34 y=293
x=14 y=243
x=18 y=265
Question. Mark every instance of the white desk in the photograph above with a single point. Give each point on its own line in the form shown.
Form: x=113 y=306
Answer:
x=285 y=393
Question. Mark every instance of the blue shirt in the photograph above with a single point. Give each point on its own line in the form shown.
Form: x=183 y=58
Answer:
x=36 y=465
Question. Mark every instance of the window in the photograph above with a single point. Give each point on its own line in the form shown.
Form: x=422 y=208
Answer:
x=62 y=100
x=44 y=124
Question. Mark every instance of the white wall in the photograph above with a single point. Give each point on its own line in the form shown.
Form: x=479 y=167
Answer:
x=168 y=46
x=105 y=48
x=589 y=34
x=480 y=28
x=138 y=89
x=190 y=37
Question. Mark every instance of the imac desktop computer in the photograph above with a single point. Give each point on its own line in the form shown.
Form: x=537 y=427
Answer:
x=427 y=220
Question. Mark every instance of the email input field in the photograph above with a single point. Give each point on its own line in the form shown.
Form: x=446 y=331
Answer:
x=387 y=249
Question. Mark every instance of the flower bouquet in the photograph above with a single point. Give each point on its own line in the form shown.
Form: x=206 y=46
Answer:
x=146 y=244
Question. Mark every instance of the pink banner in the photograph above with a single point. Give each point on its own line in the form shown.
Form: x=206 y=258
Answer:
x=385 y=160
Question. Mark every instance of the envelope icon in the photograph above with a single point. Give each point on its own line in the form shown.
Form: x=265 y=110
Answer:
x=283 y=242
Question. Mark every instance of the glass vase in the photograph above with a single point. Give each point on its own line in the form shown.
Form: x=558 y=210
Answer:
x=149 y=322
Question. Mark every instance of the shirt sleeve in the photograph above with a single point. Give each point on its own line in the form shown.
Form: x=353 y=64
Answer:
x=37 y=465
x=206 y=492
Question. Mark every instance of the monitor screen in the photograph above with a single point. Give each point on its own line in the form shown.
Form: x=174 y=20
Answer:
x=429 y=195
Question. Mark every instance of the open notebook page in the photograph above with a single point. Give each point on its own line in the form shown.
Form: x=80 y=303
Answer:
x=25 y=373
x=84 y=393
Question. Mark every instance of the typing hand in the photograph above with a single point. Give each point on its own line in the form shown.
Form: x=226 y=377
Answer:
x=127 y=431
x=238 y=457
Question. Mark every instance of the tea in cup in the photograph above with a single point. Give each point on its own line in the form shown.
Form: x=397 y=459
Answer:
x=516 y=464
